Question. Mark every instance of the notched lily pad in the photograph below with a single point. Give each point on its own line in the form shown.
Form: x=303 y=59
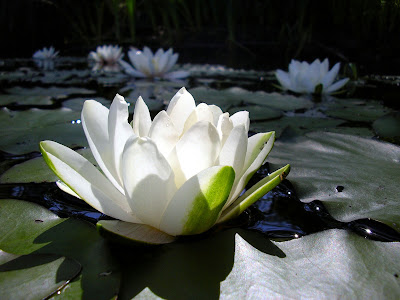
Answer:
x=279 y=101
x=368 y=171
x=34 y=276
x=330 y=264
x=299 y=125
x=356 y=110
x=258 y=112
x=36 y=170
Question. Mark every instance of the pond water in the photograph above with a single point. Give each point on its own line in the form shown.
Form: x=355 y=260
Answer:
x=330 y=229
x=39 y=104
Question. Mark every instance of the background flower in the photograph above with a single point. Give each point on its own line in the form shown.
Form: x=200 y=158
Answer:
x=158 y=65
x=45 y=53
x=311 y=78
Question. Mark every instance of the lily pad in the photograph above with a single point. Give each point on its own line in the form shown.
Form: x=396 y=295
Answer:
x=356 y=110
x=76 y=104
x=299 y=125
x=225 y=99
x=25 y=100
x=279 y=101
x=27 y=228
x=34 y=276
x=368 y=171
x=258 y=112
x=359 y=131
x=55 y=92
x=25 y=129
x=388 y=126
x=333 y=264
x=36 y=170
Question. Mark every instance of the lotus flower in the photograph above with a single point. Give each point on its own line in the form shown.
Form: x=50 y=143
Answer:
x=178 y=174
x=311 y=78
x=147 y=64
x=106 y=57
x=45 y=53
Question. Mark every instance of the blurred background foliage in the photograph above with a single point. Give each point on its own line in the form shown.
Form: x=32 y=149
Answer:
x=266 y=32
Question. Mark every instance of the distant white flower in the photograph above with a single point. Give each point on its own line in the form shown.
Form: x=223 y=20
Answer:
x=107 y=54
x=147 y=64
x=45 y=53
x=311 y=78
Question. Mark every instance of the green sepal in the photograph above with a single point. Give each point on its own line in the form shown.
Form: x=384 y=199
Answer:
x=254 y=193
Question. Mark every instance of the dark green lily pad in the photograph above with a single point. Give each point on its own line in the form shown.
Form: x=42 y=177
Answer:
x=25 y=100
x=332 y=264
x=36 y=170
x=34 y=276
x=388 y=126
x=356 y=110
x=76 y=104
x=279 y=101
x=299 y=125
x=359 y=131
x=55 y=92
x=368 y=171
x=225 y=99
x=25 y=129
x=258 y=112
x=27 y=228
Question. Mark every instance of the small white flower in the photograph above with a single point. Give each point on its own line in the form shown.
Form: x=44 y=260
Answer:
x=308 y=78
x=106 y=55
x=178 y=174
x=45 y=53
x=149 y=65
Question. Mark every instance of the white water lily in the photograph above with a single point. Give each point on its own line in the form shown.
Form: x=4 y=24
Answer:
x=149 y=65
x=45 y=53
x=311 y=78
x=106 y=57
x=178 y=174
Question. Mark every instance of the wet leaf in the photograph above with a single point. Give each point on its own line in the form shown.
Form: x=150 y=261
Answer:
x=366 y=168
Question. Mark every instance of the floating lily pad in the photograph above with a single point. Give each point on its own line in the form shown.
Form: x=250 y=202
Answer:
x=25 y=100
x=368 y=171
x=279 y=101
x=331 y=264
x=34 y=276
x=356 y=110
x=76 y=104
x=359 y=131
x=225 y=99
x=25 y=129
x=27 y=227
x=299 y=125
x=36 y=170
x=258 y=112
x=55 y=92
x=388 y=126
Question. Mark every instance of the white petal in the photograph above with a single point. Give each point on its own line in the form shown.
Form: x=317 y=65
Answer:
x=171 y=62
x=131 y=71
x=233 y=153
x=180 y=107
x=259 y=146
x=196 y=150
x=336 y=86
x=217 y=112
x=164 y=133
x=201 y=113
x=86 y=181
x=283 y=78
x=65 y=188
x=141 y=118
x=197 y=205
x=241 y=117
x=224 y=127
x=148 y=180
x=119 y=130
x=95 y=125
x=330 y=76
